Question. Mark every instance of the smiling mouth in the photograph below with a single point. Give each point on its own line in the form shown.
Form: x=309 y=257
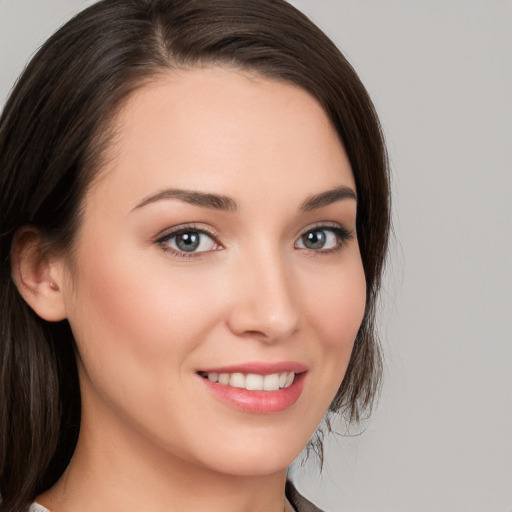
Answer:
x=252 y=381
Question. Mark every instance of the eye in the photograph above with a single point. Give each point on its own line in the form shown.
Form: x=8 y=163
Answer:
x=188 y=241
x=323 y=238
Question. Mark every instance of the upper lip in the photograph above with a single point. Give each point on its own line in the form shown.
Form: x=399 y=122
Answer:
x=258 y=368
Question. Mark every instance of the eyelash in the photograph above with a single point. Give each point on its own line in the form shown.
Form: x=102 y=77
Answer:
x=191 y=228
x=342 y=235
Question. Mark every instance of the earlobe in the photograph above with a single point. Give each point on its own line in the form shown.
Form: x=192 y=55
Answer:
x=38 y=277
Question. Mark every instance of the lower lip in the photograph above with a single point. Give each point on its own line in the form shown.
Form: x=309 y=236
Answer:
x=258 y=402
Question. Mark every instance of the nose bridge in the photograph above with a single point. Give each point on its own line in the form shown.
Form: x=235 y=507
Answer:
x=265 y=303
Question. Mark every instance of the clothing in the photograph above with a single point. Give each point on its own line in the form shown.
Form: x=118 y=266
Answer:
x=298 y=502
x=35 y=507
x=295 y=499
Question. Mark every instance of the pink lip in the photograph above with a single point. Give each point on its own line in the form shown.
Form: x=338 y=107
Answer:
x=258 y=402
x=259 y=368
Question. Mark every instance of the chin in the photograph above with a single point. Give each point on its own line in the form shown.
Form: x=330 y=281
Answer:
x=257 y=458
x=247 y=466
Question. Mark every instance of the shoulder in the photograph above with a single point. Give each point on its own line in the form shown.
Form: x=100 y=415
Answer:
x=299 y=503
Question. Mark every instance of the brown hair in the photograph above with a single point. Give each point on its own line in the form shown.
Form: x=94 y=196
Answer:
x=54 y=131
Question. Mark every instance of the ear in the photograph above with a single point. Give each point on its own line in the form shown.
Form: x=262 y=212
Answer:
x=38 y=277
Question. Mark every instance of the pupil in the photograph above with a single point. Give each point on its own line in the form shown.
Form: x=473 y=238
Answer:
x=187 y=242
x=315 y=240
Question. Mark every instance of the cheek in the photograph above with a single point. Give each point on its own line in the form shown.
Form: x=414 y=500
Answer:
x=337 y=307
x=129 y=310
x=333 y=310
x=139 y=327
x=343 y=308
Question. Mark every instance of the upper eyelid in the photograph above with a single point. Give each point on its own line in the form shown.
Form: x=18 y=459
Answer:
x=326 y=225
x=183 y=228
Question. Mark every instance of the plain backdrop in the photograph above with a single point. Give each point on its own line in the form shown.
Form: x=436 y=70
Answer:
x=440 y=74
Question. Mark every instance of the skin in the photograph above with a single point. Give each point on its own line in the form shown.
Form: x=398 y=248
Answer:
x=146 y=319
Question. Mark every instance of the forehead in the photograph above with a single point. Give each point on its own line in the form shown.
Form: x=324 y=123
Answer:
x=218 y=129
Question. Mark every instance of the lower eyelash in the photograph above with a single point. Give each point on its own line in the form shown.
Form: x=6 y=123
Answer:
x=183 y=255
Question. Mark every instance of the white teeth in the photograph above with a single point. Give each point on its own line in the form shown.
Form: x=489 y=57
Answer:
x=237 y=380
x=253 y=381
x=213 y=376
x=224 y=378
x=271 y=382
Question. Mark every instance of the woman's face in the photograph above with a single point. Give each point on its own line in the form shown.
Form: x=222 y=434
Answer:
x=219 y=242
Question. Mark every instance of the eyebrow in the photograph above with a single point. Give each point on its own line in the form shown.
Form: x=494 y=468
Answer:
x=327 y=198
x=225 y=203
x=213 y=201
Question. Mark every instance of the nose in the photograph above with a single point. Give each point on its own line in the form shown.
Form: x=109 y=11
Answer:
x=264 y=304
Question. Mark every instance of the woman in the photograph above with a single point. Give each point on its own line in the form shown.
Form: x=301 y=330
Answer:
x=194 y=219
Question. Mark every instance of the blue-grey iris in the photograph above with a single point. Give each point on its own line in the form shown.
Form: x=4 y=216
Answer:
x=314 y=239
x=188 y=242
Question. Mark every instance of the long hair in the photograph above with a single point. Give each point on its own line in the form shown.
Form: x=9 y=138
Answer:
x=54 y=133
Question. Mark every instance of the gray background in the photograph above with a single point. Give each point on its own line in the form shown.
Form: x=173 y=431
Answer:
x=440 y=73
